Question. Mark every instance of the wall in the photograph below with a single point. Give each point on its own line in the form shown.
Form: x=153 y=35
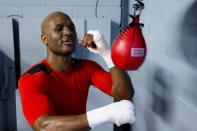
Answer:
x=165 y=85
x=109 y=9
x=28 y=12
x=74 y=8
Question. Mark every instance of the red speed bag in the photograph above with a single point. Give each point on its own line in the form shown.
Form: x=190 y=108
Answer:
x=129 y=48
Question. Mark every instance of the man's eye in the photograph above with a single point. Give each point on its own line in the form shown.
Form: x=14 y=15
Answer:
x=72 y=27
x=58 y=28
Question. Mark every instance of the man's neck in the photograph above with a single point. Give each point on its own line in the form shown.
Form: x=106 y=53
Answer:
x=59 y=63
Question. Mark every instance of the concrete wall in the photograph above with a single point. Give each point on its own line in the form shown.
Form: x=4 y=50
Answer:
x=166 y=84
x=29 y=13
x=74 y=8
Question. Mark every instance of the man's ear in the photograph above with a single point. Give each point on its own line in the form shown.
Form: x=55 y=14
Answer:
x=44 y=39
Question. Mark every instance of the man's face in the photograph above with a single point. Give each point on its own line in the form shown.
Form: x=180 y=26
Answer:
x=60 y=35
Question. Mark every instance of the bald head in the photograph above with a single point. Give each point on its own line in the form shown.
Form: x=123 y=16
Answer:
x=50 y=17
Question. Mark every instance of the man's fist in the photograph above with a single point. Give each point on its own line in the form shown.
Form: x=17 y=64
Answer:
x=88 y=41
x=95 y=42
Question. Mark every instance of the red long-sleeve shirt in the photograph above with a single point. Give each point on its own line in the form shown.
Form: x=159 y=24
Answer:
x=46 y=91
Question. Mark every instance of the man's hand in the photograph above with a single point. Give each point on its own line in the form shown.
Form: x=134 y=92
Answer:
x=88 y=41
x=96 y=43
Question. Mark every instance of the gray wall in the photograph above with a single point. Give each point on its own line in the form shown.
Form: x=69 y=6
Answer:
x=165 y=85
x=87 y=14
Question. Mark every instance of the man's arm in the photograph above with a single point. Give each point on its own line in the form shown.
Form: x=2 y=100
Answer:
x=36 y=105
x=34 y=96
x=122 y=87
x=60 y=123
x=119 y=113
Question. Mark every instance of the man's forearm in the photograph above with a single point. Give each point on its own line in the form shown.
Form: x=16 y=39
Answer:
x=119 y=113
x=122 y=87
x=62 y=123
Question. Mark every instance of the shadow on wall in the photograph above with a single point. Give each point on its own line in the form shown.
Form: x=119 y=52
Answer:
x=7 y=94
x=189 y=35
x=161 y=91
x=188 y=41
x=162 y=101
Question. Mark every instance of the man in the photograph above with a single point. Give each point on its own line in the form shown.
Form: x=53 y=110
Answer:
x=54 y=91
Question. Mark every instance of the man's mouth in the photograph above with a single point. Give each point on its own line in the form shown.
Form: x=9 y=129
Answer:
x=68 y=42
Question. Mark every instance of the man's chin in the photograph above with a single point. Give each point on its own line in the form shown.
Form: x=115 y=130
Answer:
x=68 y=52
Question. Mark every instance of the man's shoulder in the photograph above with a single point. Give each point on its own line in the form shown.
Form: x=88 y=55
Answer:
x=38 y=68
x=41 y=67
x=36 y=74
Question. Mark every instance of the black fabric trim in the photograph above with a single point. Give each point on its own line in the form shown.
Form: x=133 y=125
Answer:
x=75 y=62
x=39 y=68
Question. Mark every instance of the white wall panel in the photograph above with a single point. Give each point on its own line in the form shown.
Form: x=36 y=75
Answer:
x=6 y=11
x=42 y=11
x=85 y=2
x=22 y=2
x=113 y=13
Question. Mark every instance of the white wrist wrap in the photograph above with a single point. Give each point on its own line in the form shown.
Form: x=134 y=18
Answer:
x=98 y=116
x=107 y=57
x=121 y=112
x=102 y=47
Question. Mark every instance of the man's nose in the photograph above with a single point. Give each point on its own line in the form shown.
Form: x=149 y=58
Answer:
x=66 y=31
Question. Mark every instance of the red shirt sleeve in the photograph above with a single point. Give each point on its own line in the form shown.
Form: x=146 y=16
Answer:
x=35 y=102
x=101 y=78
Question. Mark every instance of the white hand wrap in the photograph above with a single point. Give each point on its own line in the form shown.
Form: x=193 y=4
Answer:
x=119 y=113
x=102 y=47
